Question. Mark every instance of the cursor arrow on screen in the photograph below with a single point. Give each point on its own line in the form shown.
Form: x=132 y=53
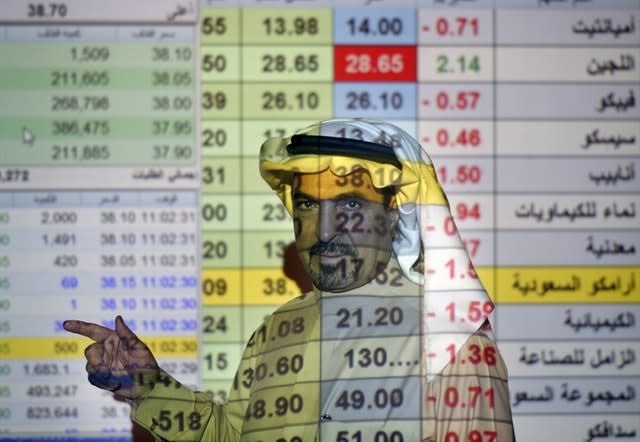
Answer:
x=27 y=136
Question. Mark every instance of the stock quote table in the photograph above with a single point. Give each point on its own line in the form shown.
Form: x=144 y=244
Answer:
x=529 y=110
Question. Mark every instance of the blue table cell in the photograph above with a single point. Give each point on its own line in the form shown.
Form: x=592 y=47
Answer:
x=384 y=26
x=385 y=101
x=404 y=390
x=46 y=199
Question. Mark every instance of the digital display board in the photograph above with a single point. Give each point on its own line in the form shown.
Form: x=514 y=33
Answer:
x=129 y=184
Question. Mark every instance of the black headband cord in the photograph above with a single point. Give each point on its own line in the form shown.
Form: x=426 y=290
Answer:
x=323 y=145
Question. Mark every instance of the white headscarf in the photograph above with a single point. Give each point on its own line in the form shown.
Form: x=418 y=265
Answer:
x=426 y=245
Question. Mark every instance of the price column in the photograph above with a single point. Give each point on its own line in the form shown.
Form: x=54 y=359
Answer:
x=287 y=73
x=375 y=65
x=221 y=141
x=365 y=377
x=568 y=198
x=456 y=123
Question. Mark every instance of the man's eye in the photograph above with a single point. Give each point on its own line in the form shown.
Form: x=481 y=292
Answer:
x=305 y=205
x=352 y=204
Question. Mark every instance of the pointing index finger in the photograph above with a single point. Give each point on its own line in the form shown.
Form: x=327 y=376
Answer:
x=94 y=331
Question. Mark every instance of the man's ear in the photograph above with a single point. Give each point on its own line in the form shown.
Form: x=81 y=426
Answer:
x=394 y=214
x=393 y=203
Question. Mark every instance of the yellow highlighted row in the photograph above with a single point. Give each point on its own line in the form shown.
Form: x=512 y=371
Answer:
x=250 y=286
x=73 y=348
x=506 y=285
x=264 y=286
x=567 y=285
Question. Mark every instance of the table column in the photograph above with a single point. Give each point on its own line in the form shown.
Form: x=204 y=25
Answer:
x=456 y=118
x=567 y=245
x=287 y=72
x=369 y=369
x=221 y=140
x=375 y=65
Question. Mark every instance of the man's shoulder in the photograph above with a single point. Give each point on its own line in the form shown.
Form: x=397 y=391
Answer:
x=301 y=301
x=301 y=304
x=298 y=316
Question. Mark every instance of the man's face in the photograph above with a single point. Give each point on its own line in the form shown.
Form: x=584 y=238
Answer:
x=343 y=229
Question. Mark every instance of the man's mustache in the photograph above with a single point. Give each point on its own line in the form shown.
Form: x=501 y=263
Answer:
x=331 y=248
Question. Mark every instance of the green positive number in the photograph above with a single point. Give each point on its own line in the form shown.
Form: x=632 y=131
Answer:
x=462 y=64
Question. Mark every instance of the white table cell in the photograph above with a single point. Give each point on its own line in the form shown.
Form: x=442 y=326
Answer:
x=456 y=138
x=543 y=359
x=469 y=64
x=465 y=26
x=577 y=428
x=579 y=138
x=575 y=211
x=569 y=27
x=574 y=65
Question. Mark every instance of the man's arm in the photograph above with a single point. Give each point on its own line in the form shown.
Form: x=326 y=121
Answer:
x=173 y=412
x=120 y=362
x=117 y=360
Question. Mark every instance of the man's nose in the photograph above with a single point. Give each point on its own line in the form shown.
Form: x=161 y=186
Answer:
x=327 y=223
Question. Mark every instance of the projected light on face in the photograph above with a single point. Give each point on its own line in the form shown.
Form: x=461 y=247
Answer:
x=343 y=228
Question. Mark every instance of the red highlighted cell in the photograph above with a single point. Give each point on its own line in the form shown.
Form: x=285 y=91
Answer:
x=375 y=63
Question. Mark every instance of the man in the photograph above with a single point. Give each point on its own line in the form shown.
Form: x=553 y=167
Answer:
x=392 y=345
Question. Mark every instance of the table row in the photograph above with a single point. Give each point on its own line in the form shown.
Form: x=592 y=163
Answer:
x=447 y=138
x=24 y=68
x=232 y=286
x=397 y=25
x=406 y=100
x=424 y=64
x=226 y=247
x=150 y=141
x=478 y=24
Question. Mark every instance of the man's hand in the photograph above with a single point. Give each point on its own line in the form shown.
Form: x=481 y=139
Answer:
x=117 y=361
